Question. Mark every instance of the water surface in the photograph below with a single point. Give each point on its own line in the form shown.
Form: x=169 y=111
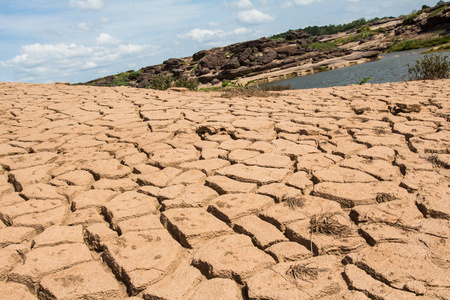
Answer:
x=392 y=67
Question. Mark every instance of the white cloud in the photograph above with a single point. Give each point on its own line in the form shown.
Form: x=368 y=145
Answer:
x=239 y=4
x=214 y=24
x=87 y=4
x=213 y=37
x=201 y=35
x=241 y=30
x=254 y=16
x=90 y=65
x=106 y=39
x=286 y=5
x=59 y=60
x=84 y=26
x=306 y=2
x=242 y=4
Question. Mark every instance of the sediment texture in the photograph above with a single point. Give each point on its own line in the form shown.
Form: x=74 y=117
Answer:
x=337 y=193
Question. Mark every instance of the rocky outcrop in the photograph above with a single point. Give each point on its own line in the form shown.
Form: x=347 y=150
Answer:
x=255 y=60
x=441 y=21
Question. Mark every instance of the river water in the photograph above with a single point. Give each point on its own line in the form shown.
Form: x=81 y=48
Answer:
x=392 y=67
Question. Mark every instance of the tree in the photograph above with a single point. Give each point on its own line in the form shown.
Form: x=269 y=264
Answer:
x=440 y=3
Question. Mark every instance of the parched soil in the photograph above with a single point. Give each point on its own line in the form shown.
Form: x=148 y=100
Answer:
x=336 y=193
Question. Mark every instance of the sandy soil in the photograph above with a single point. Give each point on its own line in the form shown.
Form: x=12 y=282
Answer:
x=337 y=193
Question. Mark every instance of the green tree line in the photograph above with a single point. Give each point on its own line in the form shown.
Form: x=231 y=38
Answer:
x=329 y=29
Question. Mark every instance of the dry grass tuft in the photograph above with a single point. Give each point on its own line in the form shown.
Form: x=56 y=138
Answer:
x=294 y=203
x=303 y=273
x=384 y=197
x=436 y=162
x=380 y=131
x=247 y=92
x=328 y=224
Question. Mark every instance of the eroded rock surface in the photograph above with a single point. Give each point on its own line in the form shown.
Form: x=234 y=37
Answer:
x=338 y=193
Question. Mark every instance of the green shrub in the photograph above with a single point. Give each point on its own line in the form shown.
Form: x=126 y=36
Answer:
x=321 y=46
x=161 y=82
x=416 y=44
x=133 y=75
x=119 y=80
x=437 y=10
x=352 y=38
x=365 y=80
x=409 y=19
x=380 y=29
x=432 y=66
x=186 y=83
x=364 y=29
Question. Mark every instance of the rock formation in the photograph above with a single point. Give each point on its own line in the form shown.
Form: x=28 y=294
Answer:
x=297 y=54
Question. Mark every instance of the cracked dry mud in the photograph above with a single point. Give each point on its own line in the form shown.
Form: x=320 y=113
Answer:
x=113 y=193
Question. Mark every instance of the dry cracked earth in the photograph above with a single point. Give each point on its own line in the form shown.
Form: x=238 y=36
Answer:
x=113 y=193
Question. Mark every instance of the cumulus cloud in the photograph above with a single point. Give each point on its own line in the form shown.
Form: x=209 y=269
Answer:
x=56 y=60
x=84 y=26
x=286 y=5
x=106 y=39
x=207 y=35
x=241 y=30
x=214 y=24
x=254 y=16
x=242 y=4
x=87 y=4
x=306 y=2
x=201 y=35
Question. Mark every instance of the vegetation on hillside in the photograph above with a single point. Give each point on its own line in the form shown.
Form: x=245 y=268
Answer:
x=330 y=29
x=418 y=43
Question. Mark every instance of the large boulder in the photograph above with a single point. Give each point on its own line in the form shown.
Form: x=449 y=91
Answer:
x=172 y=63
x=231 y=74
x=287 y=49
x=297 y=35
x=199 y=55
x=243 y=56
x=260 y=44
x=232 y=63
x=212 y=60
x=269 y=54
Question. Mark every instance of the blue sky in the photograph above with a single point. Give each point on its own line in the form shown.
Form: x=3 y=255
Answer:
x=79 y=40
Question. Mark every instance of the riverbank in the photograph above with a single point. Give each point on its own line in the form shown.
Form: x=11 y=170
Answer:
x=391 y=67
x=275 y=75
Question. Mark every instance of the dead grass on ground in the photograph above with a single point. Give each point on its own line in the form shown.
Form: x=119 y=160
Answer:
x=304 y=273
x=385 y=197
x=436 y=162
x=247 y=92
x=294 y=203
x=328 y=224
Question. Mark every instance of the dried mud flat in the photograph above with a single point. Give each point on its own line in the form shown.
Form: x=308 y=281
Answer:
x=337 y=193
